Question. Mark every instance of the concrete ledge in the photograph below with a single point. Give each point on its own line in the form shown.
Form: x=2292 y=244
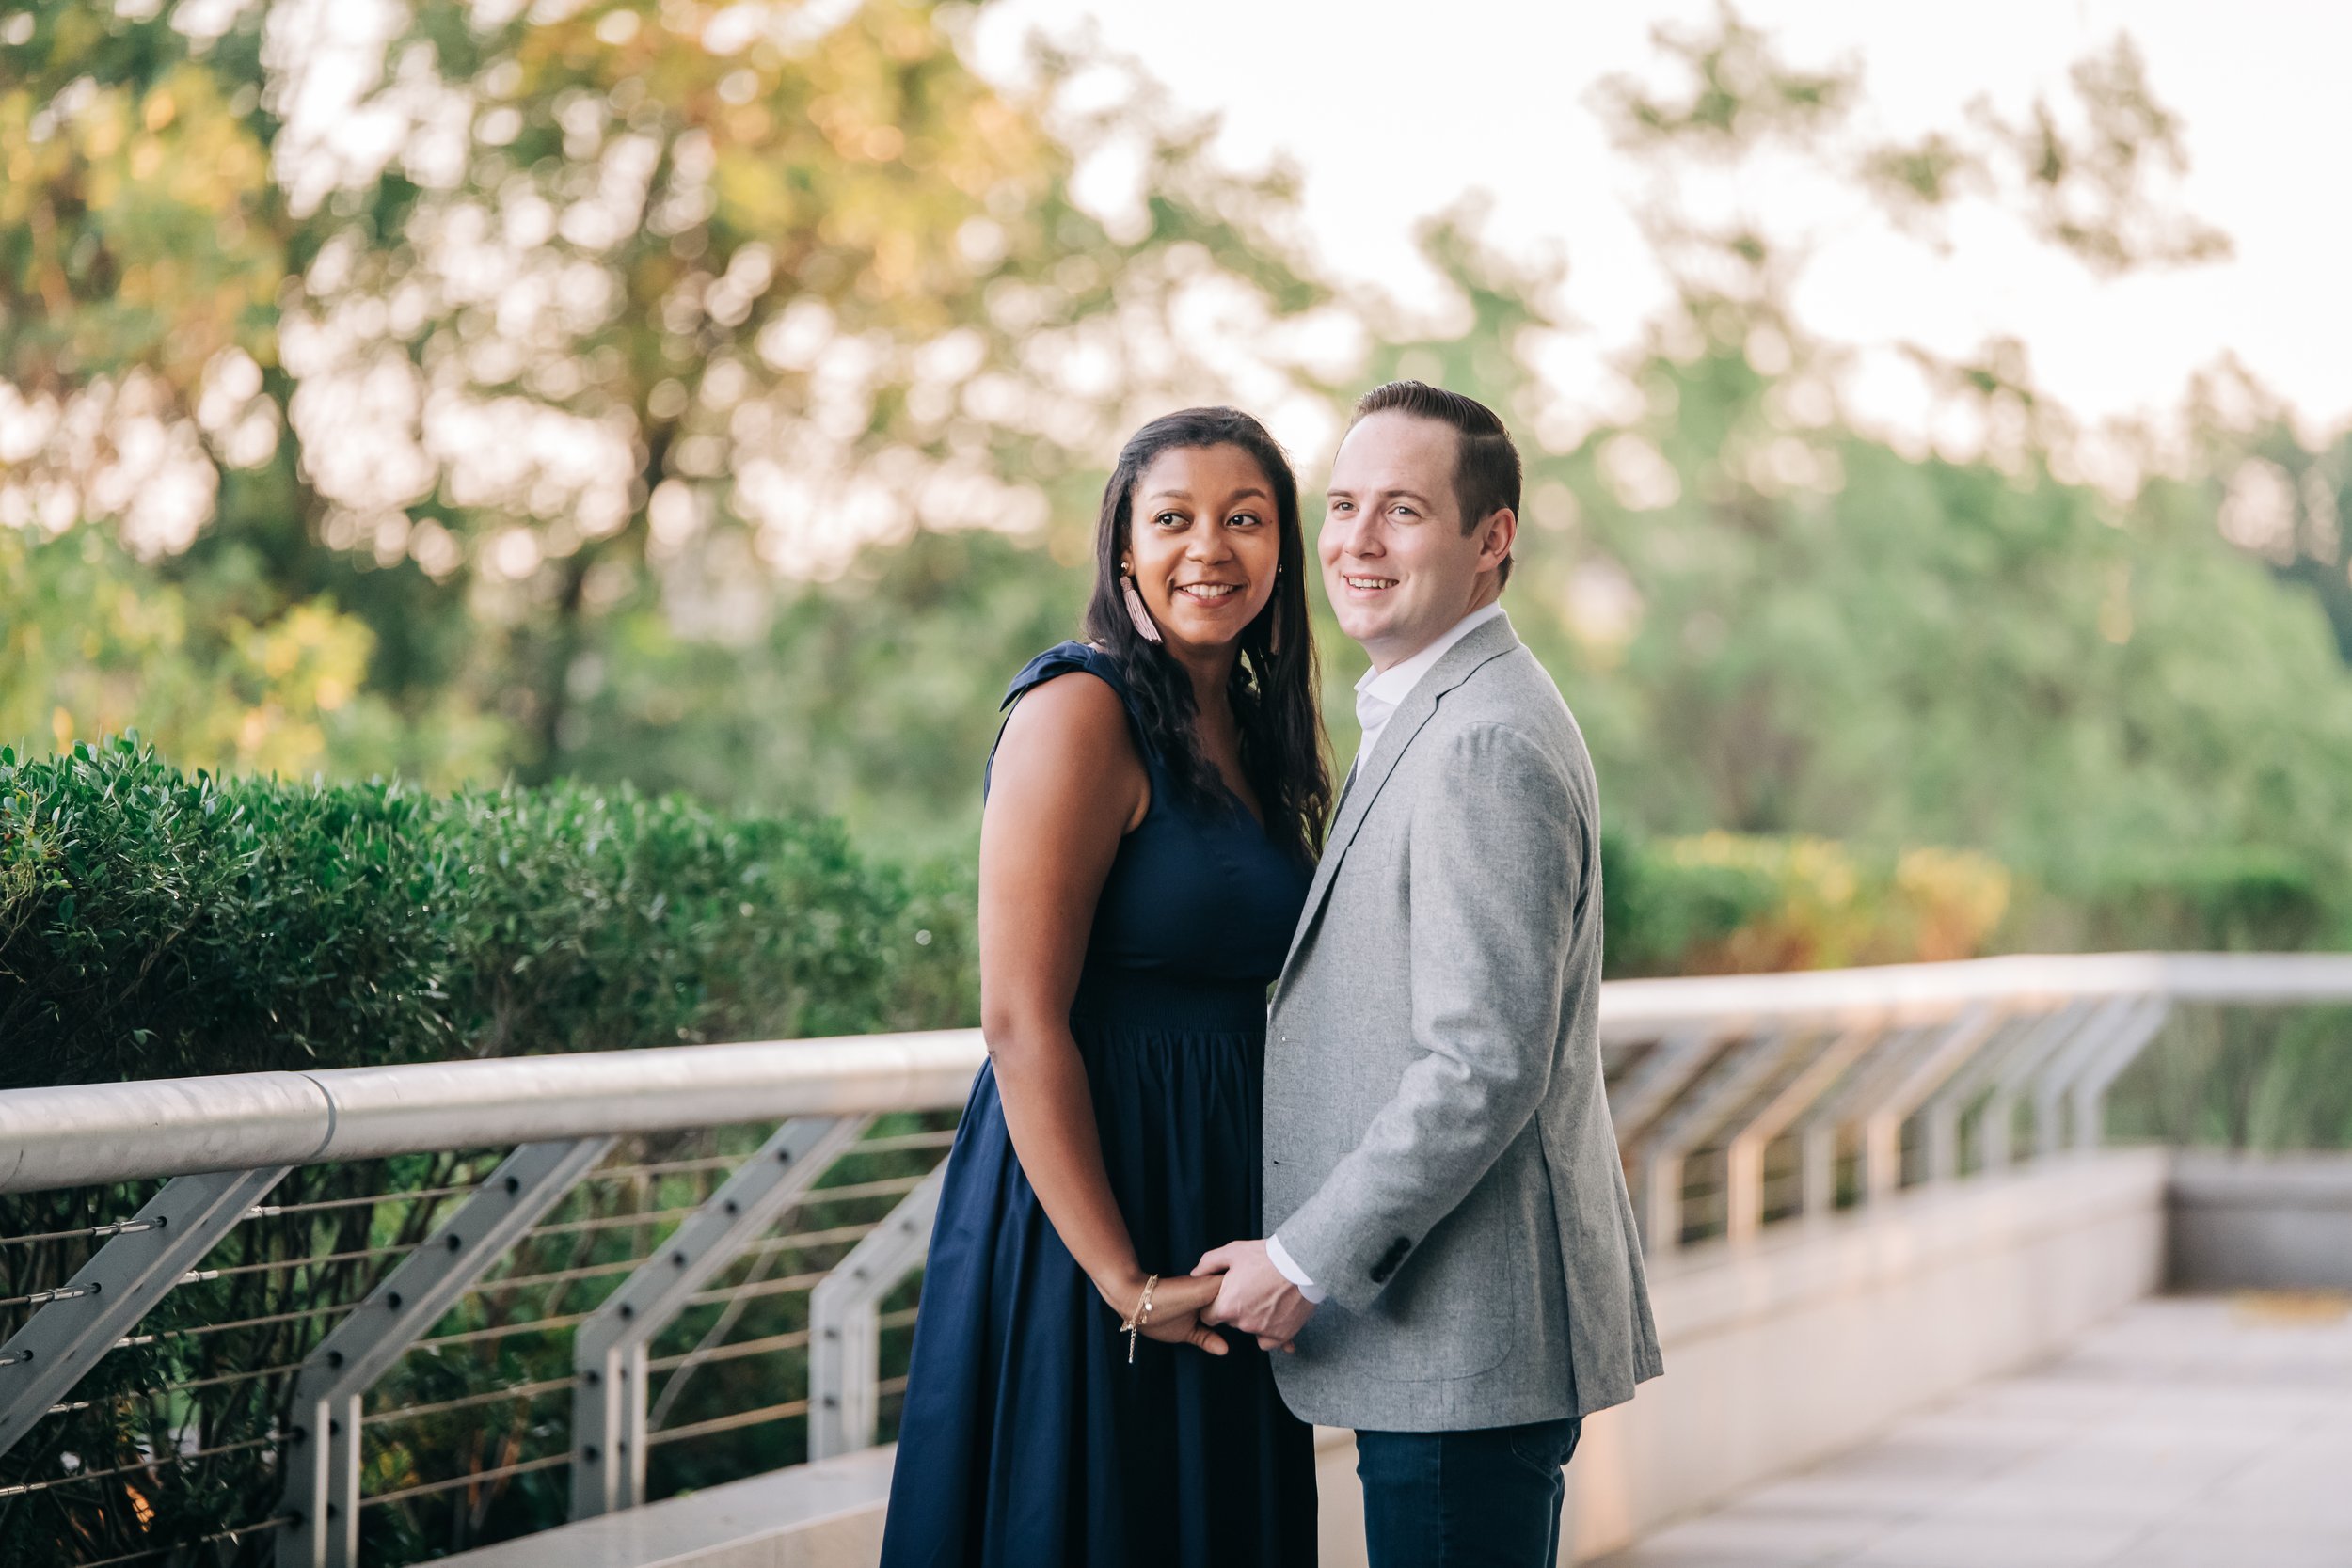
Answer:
x=828 y=1514
x=2240 y=1222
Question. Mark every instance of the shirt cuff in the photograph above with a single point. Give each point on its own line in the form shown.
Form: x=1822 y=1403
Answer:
x=1278 y=1254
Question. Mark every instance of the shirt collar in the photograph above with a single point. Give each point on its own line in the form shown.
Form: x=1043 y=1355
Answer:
x=1396 y=683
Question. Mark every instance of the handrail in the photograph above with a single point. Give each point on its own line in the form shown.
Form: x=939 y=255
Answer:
x=1923 y=993
x=84 y=1133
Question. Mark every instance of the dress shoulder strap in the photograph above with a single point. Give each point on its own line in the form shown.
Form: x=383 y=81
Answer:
x=1065 y=658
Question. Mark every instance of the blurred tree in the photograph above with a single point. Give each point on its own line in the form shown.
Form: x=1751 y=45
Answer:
x=495 y=327
x=1771 y=622
x=637 y=379
x=92 y=643
x=2273 y=497
x=872 y=699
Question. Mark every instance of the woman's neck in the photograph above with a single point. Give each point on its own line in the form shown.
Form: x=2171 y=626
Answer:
x=1212 y=672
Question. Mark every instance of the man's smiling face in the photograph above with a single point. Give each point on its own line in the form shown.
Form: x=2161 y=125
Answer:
x=1396 y=562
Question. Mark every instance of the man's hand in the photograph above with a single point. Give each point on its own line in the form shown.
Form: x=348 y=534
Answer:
x=1253 y=1296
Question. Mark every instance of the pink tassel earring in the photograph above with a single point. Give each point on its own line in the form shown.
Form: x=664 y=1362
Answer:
x=1136 y=613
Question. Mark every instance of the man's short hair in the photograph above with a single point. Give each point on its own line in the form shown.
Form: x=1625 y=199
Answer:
x=1485 y=464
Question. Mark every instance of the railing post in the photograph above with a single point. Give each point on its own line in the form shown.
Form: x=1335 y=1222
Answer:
x=609 y=1353
x=1997 y=1125
x=322 y=1452
x=119 y=1285
x=1661 y=1074
x=1872 y=1066
x=2090 y=1091
x=2112 y=1020
x=1739 y=1075
x=1882 y=1126
x=1661 y=1200
x=1944 y=1107
x=844 y=1324
x=1743 y=1195
x=1818 y=1169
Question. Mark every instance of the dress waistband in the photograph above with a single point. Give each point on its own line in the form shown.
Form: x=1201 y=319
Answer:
x=1154 y=998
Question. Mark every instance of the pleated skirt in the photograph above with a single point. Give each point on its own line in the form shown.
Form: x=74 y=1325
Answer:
x=1026 y=1439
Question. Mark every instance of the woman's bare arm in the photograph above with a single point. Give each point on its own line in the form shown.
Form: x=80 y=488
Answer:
x=1065 y=787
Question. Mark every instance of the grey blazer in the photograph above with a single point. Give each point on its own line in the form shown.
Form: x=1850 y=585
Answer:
x=1438 y=1154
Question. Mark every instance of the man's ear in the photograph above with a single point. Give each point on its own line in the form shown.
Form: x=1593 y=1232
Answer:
x=1499 y=531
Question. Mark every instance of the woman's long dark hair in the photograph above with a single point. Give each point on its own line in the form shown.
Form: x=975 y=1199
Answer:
x=1273 y=689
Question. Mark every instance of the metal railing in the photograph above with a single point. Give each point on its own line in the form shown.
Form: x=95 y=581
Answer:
x=460 y=1247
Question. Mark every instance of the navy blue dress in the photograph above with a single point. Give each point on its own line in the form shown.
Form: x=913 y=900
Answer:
x=1026 y=1439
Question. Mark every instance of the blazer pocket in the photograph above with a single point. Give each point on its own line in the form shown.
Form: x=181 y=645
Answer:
x=1452 y=1310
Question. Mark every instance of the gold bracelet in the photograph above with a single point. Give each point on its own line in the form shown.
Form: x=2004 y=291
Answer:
x=1140 y=1318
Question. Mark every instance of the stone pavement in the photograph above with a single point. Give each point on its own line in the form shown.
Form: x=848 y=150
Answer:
x=2187 y=1433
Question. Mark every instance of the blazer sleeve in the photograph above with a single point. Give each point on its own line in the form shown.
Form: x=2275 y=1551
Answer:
x=1496 y=857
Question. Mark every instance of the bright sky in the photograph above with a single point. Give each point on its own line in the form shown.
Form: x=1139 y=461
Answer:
x=1392 y=112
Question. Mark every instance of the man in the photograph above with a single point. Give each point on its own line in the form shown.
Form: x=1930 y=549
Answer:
x=1440 y=1170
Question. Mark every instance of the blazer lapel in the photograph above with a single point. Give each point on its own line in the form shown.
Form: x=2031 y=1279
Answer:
x=1488 y=642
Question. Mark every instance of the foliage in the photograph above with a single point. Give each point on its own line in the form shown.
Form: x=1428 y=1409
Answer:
x=1722 y=903
x=2218 y=902
x=872 y=699
x=2240 y=1078
x=854 y=272
x=1924 y=651
x=154 y=924
x=559 y=324
x=93 y=644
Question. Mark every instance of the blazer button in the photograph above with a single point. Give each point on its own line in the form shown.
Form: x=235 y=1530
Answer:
x=1389 y=1259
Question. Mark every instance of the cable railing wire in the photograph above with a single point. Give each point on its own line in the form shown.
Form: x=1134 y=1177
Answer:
x=88 y=1232
x=159 y=1462
x=512 y=1393
x=473 y=1478
x=733 y=1351
x=216 y=1538
x=279 y=1210
x=716 y=1424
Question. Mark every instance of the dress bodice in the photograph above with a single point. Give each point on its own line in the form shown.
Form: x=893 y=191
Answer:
x=1194 y=893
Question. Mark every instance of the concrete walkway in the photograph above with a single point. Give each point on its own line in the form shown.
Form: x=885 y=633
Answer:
x=2184 y=1434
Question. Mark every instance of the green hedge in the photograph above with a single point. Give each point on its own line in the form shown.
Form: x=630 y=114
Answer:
x=2251 y=900
x=154 y=924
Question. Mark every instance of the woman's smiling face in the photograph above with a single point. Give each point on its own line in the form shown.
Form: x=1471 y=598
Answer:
x=1204 y=543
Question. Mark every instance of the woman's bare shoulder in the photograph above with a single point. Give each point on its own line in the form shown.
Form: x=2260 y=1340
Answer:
x=1075 y=719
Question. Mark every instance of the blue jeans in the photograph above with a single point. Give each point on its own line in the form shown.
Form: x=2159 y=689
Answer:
x=1489 y=1499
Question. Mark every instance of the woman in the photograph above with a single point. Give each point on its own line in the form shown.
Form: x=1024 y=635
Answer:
x=1152 y=810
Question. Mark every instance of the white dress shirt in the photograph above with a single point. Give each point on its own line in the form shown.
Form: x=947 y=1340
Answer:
x=1381 y=692
x=1378 y=694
